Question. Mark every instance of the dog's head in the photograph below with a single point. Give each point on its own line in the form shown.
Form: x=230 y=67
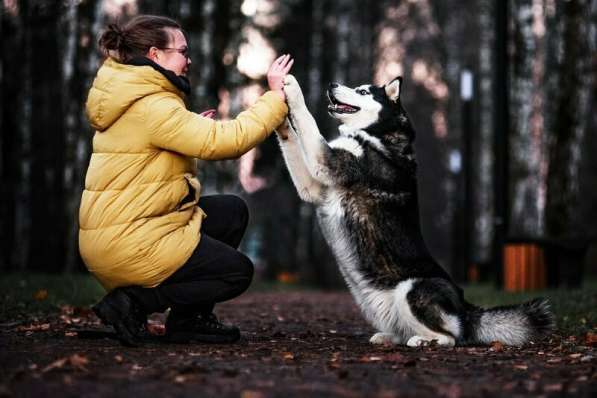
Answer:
x=375 y=109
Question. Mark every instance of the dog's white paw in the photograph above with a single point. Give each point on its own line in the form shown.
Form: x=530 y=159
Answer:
x=418 y=341
x=294 y=95
x=384 y=338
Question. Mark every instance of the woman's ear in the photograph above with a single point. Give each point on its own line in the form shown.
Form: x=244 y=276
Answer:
x=393 y=89
x=152 y=54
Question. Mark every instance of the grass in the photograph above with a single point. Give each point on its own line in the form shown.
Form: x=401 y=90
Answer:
x=575 y=309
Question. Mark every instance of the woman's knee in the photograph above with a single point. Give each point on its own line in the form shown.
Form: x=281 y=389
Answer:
x=246 y=269
x=240 y=207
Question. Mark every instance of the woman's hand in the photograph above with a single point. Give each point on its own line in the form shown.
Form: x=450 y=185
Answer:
x=210 y=114
x=277 y=72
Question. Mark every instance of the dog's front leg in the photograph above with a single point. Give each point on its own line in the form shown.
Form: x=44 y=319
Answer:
x=315 y=147
x=307 y=187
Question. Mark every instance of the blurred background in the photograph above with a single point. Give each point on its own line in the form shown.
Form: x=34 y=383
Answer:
x=502 y=95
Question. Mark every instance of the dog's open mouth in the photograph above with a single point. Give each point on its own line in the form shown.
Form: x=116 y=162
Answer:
x=340 y=107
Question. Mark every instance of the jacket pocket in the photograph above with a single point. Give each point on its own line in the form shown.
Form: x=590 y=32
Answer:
x=192 y=197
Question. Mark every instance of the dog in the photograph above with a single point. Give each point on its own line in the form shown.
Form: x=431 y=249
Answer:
x=364 y=187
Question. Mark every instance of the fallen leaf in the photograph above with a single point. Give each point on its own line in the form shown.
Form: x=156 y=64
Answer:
x=496 y=346
x=78 y=361
x=33 y=327
x=67 y=309
x=156 y=329
x=521 y=367
x=367 y=359
x=288 y=356
x=394 y=357
x=40 y=295
x=251 y=394
x=57 y=364
x=574 y=356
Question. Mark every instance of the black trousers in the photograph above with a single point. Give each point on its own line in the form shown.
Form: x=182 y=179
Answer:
x=215 y=272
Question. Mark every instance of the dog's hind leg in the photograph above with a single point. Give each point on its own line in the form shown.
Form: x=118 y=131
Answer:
x=315 y=147
x=435 y=304
x=307 y=187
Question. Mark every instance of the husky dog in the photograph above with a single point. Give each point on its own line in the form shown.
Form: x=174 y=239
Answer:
x=364 y=187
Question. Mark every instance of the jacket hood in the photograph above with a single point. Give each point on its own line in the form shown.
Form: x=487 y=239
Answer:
x=118 y=86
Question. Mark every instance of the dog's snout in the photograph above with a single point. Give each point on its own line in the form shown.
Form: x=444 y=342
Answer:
x=333 y=85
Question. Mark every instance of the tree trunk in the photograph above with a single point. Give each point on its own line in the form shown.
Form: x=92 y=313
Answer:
x=11 y=125
x=483 y=227
x=48 y=220
x=527 y=124
x=570 y=111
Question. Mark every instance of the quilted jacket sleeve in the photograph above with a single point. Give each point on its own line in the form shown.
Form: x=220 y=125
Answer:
x=177 y=129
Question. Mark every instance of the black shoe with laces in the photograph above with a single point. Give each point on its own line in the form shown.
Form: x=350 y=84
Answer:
x=203 y=328
x=119 y=310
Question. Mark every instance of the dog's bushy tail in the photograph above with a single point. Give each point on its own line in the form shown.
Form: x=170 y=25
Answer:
x=512 y=325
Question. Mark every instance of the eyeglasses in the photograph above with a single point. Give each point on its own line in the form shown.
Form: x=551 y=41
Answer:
x=184 y=51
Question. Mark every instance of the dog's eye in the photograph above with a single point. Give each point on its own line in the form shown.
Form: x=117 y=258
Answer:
x=362 y=92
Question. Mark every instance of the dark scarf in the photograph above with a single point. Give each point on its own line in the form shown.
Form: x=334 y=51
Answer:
x=180 y=82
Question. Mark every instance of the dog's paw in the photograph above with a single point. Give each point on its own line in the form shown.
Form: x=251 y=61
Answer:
x=418 y=341
x=294 y=95
x=384 y=338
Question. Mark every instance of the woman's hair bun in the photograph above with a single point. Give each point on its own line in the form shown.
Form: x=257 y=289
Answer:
x=136 y=37
x=112 y=39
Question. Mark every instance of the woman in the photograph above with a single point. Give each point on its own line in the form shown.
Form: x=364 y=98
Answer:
x=145 y=233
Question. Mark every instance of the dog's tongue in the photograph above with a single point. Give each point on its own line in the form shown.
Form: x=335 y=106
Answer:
x=345 y=107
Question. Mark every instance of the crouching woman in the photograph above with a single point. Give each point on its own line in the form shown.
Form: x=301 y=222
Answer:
x=145 y=232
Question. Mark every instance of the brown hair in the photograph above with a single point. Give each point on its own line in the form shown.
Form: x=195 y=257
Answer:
x=136 y=37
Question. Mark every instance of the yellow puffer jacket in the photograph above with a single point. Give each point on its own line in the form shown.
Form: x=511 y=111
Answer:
x=138 y=218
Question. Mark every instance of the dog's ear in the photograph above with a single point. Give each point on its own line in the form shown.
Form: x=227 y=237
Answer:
x=393 y=89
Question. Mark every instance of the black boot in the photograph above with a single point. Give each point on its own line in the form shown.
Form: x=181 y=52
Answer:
x=119 y=310
x=200 y=328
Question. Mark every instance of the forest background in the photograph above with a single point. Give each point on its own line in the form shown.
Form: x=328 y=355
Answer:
x=546 y=76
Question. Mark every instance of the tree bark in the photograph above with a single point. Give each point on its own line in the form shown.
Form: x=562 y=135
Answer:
x=48 y=219
x=570 y=112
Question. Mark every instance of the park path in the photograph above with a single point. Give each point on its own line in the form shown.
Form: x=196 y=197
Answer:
x=298 y=344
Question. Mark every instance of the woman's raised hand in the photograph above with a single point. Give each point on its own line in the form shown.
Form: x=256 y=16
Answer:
x=277 y=72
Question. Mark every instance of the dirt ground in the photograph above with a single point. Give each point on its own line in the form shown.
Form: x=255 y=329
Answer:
x=294 y=345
